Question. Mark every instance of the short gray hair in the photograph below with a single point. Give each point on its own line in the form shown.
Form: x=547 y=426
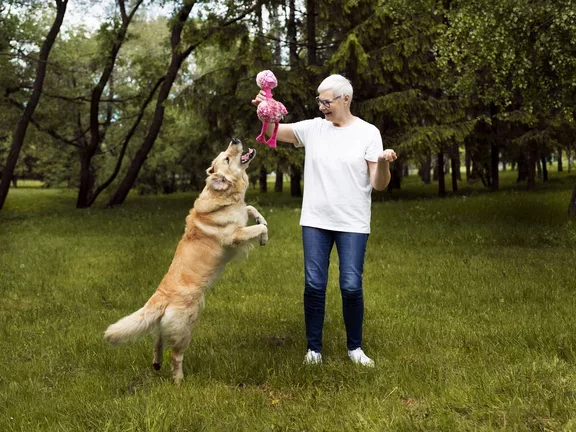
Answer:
x=338 y=84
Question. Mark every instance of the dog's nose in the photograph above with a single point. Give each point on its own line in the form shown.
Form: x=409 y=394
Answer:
x=236 y=141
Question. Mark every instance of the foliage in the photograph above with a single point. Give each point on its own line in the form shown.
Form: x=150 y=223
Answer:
x=426 y=72
x=529 y=58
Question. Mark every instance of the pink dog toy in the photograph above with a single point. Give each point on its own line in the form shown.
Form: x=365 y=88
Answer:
x=270 y=110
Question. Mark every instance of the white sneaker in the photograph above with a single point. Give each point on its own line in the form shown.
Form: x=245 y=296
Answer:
x=358 y=357
x=312 y=357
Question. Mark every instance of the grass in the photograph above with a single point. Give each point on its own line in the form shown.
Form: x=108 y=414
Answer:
x=470 y=317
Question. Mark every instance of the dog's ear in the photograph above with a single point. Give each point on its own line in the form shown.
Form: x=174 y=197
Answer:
x=219 y=183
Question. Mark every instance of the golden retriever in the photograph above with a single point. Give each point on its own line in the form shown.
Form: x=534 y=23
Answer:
x=216 y=231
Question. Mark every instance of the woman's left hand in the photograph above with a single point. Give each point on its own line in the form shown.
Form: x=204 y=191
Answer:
x=387 y=155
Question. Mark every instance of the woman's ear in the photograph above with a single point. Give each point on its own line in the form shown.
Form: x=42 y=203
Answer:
x=210 y=170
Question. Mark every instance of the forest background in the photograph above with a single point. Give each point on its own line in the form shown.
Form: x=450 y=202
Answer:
x=105 y=97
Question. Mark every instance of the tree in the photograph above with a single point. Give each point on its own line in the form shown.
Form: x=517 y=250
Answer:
x=521 y=80
x=435 y=76
x=397 y=80
x=98 y=131
x=179 y=53
x=22 y=127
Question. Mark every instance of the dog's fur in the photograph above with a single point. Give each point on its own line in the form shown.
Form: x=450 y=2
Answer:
x=215 y=232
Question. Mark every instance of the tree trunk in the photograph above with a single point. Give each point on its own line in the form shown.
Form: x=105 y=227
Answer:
x=531 y=168
x=295 y=177
x=440 y=168
x=455 y=172
x=494 y=162
x=572 y=206
x=178 y=57
x=24 y=122
x=457 y=166
x=560 y=167
x=311 y=30
x=86 y=180
x=291 y=28
x=263 y=179
x=395 y=175
x=569 y=157
x=292 y=36
x=468 y=162
x=275 y=24
x=279 y=184
x=425 y=169
x=544 y=169
x=455 y=161
x=522 y=168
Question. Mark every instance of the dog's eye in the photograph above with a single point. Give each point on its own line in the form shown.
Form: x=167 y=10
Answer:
x=227 y=160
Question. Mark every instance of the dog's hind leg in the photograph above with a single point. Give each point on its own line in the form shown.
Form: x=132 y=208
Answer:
x=158 y=352
x=177 y=357
x=176 y=329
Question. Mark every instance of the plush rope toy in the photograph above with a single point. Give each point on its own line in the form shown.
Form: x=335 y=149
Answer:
x=270 y=110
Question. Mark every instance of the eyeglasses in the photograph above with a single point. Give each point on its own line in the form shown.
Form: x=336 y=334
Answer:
x=325 y=102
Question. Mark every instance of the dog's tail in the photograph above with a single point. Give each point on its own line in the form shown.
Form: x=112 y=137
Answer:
x=136 y=325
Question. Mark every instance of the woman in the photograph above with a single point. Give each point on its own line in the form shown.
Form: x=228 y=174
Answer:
x=344 y=160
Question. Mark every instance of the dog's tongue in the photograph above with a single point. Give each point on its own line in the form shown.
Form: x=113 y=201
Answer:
x=246 y=156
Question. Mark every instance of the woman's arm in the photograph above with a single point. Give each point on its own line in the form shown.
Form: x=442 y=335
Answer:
x=380 y=171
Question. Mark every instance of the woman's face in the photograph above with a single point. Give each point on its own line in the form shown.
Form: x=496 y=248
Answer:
x=333 y=108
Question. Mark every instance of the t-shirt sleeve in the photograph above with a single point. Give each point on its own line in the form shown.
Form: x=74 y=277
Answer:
x=302 y=131
x=374 y=147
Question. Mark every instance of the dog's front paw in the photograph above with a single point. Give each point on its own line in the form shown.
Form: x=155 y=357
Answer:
x=264 y=236
x=260 y=220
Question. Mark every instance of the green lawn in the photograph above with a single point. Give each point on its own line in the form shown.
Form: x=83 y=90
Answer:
x=470 y=317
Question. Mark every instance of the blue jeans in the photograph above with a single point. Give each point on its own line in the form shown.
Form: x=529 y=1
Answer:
x=351 y=249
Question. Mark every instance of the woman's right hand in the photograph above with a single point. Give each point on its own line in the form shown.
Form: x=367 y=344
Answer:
x=260 y=97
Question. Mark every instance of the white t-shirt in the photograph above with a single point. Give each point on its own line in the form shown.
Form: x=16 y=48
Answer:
x=337 y=189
